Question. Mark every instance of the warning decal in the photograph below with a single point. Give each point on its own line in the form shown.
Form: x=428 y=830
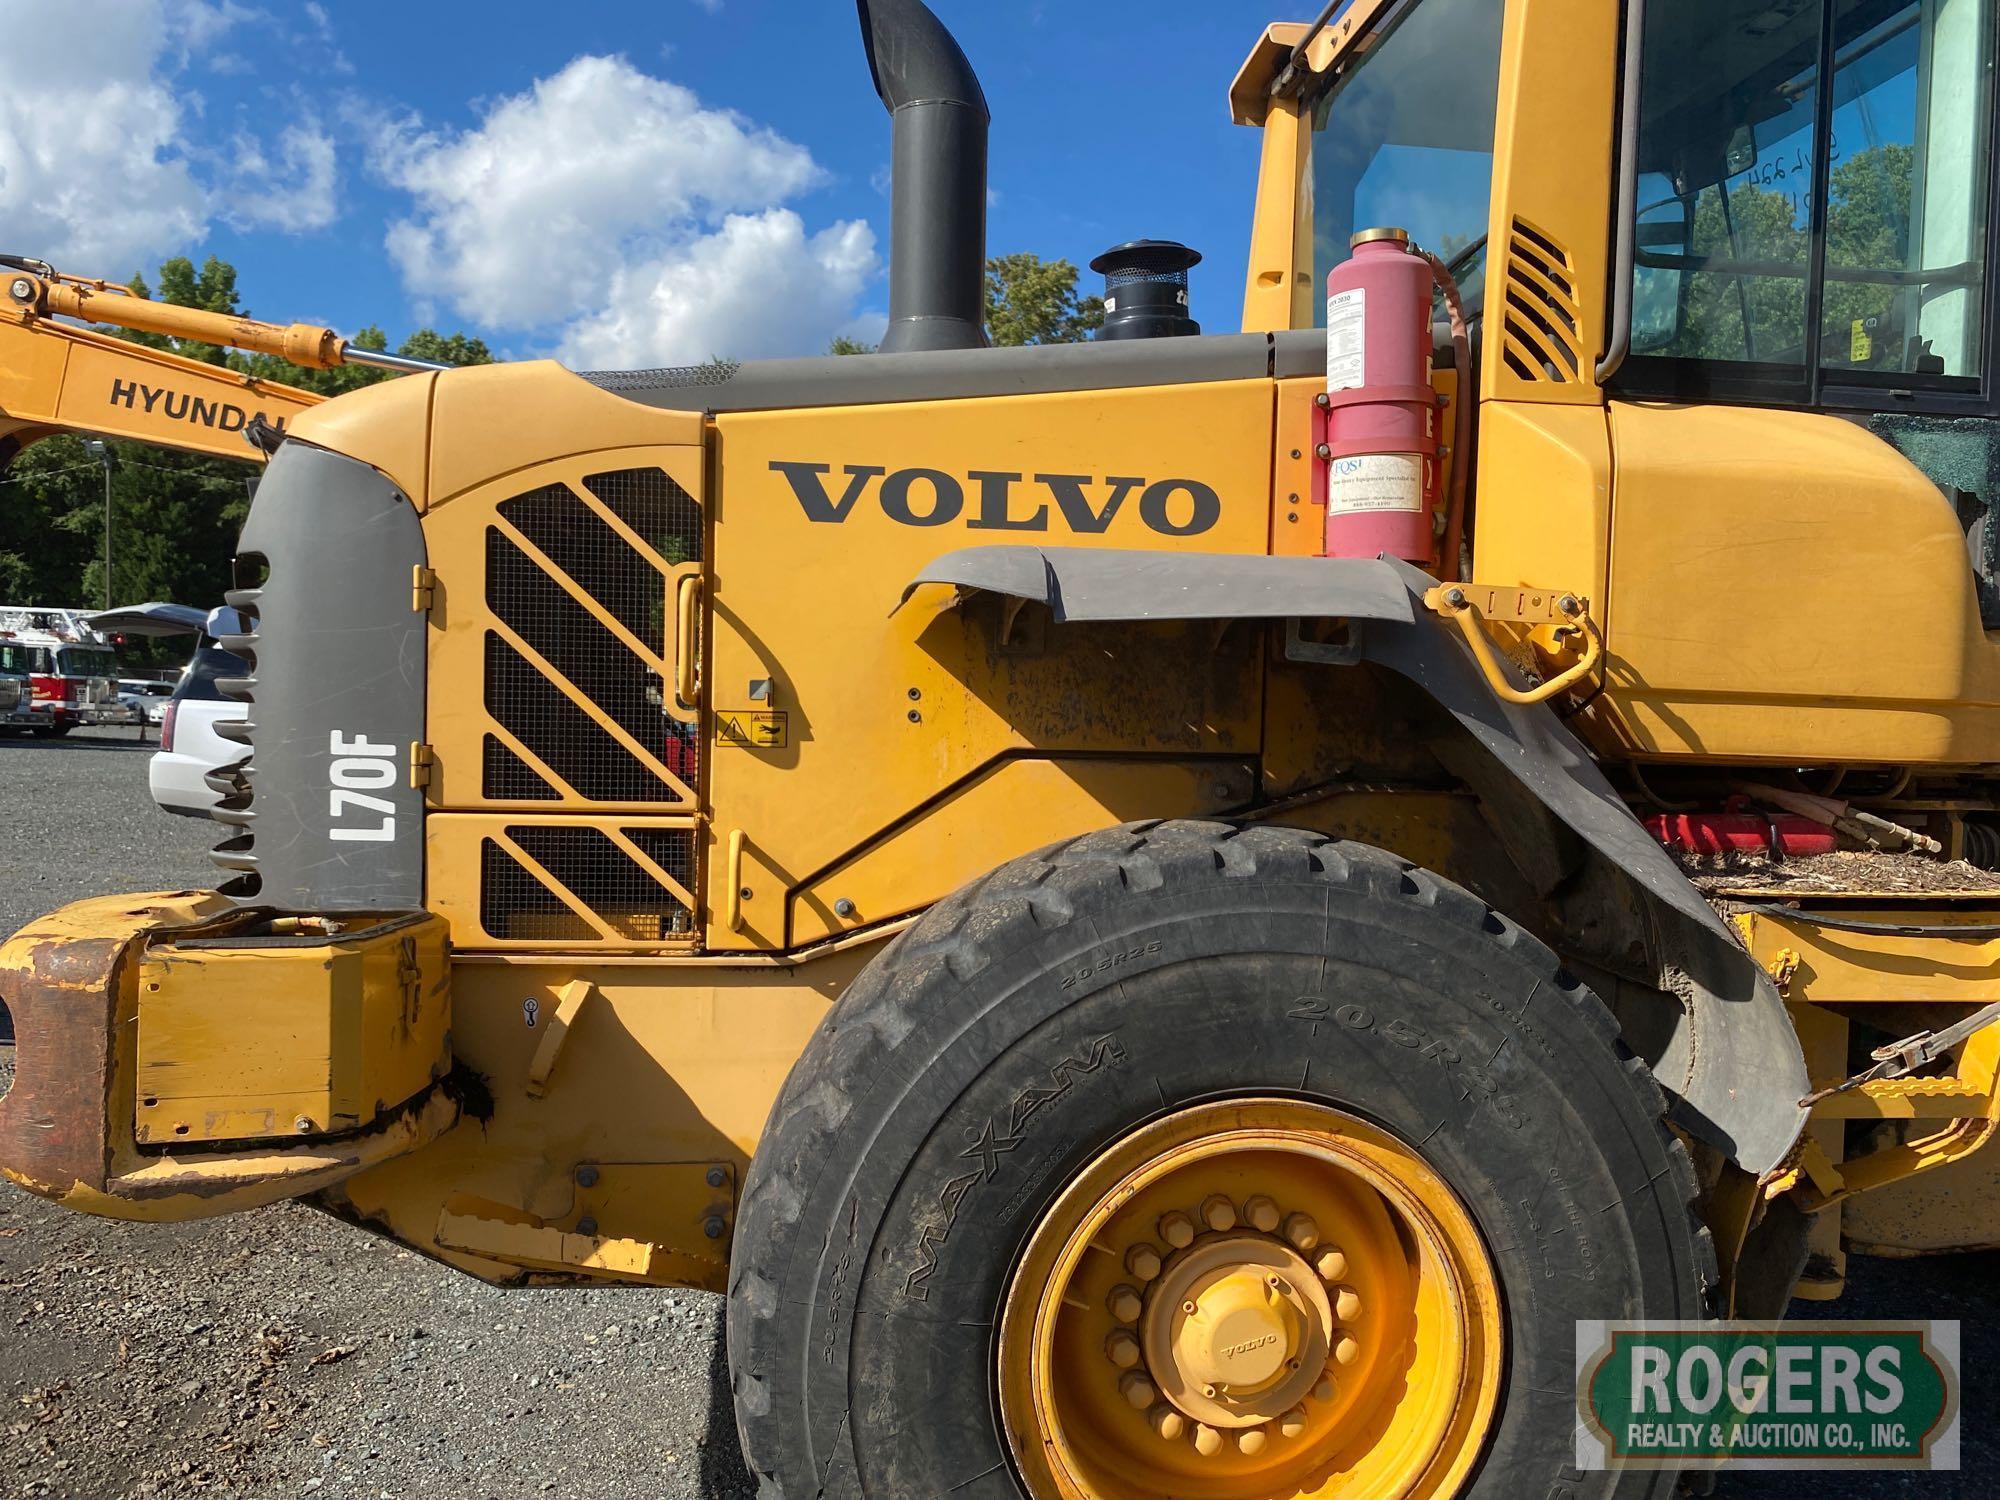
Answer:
x=752 y=729
x=1347 y=340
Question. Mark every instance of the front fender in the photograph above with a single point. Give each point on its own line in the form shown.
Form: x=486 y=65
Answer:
x=1732 y=1062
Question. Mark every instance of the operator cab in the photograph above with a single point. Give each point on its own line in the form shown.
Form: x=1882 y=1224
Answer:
x=1808 y=368
x=1730 y=254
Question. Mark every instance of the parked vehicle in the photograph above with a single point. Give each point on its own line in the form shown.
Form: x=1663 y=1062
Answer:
x=70 y=671
x=191 y=750
x=20 y=662
x=146 y=699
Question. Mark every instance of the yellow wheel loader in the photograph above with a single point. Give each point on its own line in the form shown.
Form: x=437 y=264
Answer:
x=1127 y=996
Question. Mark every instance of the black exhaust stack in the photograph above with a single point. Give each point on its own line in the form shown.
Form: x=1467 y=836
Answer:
x=937 y=217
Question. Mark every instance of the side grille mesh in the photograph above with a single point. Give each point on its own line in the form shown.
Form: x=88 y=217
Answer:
x=508 y=778
x=659 y=510
x=516 y=907
x=577 y=640
x=572 y=640
x=563 y=736
x=616 y=550
x=1539 y=331
x=672 y=849
x=633 y=906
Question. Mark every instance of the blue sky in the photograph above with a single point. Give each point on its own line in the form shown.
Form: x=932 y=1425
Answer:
x=619 y=182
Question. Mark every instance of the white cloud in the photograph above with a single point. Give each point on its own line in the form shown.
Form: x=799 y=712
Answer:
x=756 y=287
x=100 y=169
x=291 y=186
x=91 y=165
x=601 y=183
x=194 y=26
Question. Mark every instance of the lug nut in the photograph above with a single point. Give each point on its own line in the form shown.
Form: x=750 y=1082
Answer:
x=1251 y=1441
x=1346 y=1304
x=1218 y=1213
x=1166 y=1422
x=1143 y=1261
x=1324 y=1388
x=1177 y=1229
x=1293 y=1423
x=1207 y=1441
x=1124 y=1303
x=1122 y=1350
x=1345 y=1350
x=1262 y=1214
x=716 y=1177
x=1302 y=1231
x=1332 y=1264
x=713 y=1226
x=1137 y=1389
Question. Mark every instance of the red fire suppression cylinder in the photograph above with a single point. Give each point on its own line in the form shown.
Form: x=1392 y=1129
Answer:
x=1381 y=447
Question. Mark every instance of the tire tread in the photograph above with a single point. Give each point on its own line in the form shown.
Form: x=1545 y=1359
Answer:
x=1018 y=902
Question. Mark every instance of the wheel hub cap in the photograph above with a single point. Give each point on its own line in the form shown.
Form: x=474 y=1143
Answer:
x=1236 y=1329
x=1257 y=1298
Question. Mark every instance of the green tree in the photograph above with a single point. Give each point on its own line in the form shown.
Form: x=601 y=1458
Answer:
x=425 y=343
x=1034 y=301
x=444 y=349
x=1868 y=228
x=842 y=344
x=211 y=289
x=1732 y=314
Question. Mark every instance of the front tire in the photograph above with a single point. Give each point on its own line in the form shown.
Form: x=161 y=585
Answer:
x=1073 y=1006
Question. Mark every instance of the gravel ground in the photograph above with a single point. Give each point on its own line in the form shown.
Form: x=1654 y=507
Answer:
x=281 y=1353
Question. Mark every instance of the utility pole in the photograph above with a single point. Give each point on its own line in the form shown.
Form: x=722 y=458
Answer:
x=101 y=451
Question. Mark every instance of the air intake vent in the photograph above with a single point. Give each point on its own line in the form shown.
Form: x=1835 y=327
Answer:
x=1540 y=342
x=508 y=778
x=579 y=661
x=567 y=881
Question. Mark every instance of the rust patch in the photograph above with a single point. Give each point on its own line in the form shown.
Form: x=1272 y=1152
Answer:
x=55 y=1121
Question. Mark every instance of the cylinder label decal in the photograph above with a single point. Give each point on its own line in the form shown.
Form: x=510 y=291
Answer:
x=1347 y=340
x=1375 y=481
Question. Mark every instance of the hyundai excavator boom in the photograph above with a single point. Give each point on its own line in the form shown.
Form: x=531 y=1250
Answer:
x=56 y=377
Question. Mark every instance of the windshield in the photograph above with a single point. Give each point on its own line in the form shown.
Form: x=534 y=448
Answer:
x=1404 y=138
x=20 y=659
x=88 y=661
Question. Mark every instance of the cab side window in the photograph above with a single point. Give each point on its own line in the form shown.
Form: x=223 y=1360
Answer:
x=1815 y=199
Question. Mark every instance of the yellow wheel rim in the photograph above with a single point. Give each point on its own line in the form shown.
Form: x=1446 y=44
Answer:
x=1255 y=1298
